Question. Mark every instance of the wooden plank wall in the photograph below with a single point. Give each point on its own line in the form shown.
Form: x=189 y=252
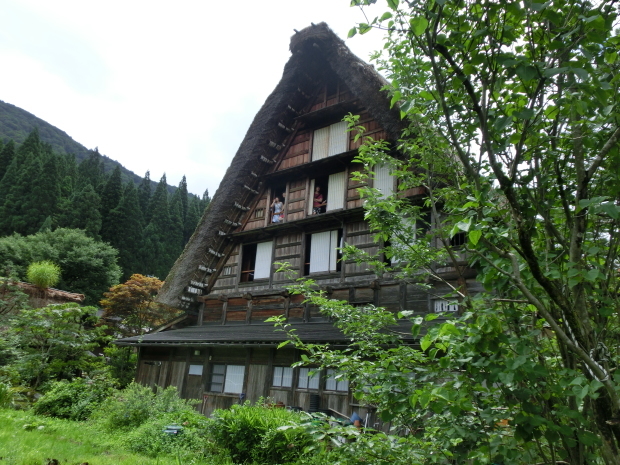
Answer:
x=372 y=129
x=228 y=277
x=359 y=234
x=296 y=202
x=289 y=249
x=298 y=152
x=258 y=214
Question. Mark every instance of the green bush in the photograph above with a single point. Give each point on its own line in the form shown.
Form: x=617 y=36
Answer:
x=74 y=399
x=149 y=438
x=259 y=434
x=136 y=404
x=43 y=274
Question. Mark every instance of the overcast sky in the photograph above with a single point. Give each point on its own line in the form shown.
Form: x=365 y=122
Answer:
x=169 y=87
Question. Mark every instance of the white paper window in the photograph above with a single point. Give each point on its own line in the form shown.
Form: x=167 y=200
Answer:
x=307 y=381
x=330 y=140
x=262 y=267
x=444 y=306
x=282 y=376
x=323 y=251
x=335 y=191
x=234 y=379
x=195 y=370
x=227 y=378
x=336 y=383
x=384 y=181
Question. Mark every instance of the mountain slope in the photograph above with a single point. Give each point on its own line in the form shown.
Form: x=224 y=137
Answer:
x=16 y=124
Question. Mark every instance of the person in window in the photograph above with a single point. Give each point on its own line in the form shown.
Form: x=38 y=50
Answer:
x=276 y=208
x=318 y=203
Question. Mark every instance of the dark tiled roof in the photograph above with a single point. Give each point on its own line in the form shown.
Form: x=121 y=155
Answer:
x=264 y=334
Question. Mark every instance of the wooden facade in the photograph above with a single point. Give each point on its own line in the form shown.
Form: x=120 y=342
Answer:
x=227 y=278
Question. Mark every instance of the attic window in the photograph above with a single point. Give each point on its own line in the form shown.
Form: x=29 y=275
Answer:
x=330 y=140
x=256 y=261
x=458 y=240
x=445 y=306
x=259 y=213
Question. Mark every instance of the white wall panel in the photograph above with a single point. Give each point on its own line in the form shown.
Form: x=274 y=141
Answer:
x=310 y=197
x=338 y=138
x=335 y=191
x=262 y=269
x=320 y=143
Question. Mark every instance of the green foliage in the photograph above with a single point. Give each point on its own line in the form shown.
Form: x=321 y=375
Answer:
x=88 y=266
x=12 y=300
x=54 y=343
x=259 y=434
x=134 y=405
x=75 y=399
x=122 y=363
x=43 y=274
x=511 y=115
x=149 y=438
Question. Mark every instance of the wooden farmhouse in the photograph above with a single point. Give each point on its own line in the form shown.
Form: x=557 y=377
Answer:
x=226 y=280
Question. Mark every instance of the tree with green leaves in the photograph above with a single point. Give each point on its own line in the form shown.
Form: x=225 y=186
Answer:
x=55 y=341
x=6 y=156
x=513 y=131
x=88 y=266
x=158 y=257
x=144 y=196
x=82 y=211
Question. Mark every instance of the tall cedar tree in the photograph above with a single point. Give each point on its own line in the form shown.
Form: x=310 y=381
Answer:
x=111 y=196
x=157 y=252
x=82 y=212
x=6 y=156
x=123 y=230
x=144 y=197
x=90 y=171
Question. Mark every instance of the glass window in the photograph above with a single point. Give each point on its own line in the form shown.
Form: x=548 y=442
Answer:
x=227 y=378
x=307 y=381
x=336 y=382
x=443 y=306
x=282 y=376
x=195 y=370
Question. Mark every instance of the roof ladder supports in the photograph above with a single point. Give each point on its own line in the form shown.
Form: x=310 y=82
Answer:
x=293 y=110
x=253 y=174
x=266 y=160
x=213 y=252
x=282 y=126
x=275 y=145
x=222 y=233
x=232 y=223
x=241 y=207
x=245 y=186
x=302 y=93
x=206 y=269
x=197 y=284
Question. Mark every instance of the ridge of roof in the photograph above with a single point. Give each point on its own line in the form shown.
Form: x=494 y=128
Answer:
x=314 y=44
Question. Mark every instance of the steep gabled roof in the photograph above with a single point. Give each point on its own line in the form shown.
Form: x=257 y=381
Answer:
x=316 y=52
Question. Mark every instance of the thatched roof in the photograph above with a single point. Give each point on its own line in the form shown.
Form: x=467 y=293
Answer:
x=316 y=53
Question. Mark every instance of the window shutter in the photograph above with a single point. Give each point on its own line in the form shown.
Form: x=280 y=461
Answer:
x=338 y=138
x=320 y=143
x=384 y=181
x=335 y=191
x=320 y=252
x=262 y=268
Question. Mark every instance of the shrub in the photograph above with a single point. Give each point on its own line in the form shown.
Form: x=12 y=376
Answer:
x=149 y=438
x=43 y=274
x=134 y=405
x=74 y=399
x=259 y=434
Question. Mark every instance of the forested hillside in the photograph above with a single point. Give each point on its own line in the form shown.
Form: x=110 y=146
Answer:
x=16 y=124
x=43 y=190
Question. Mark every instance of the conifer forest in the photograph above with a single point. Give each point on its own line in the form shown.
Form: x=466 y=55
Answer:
x=46 y=196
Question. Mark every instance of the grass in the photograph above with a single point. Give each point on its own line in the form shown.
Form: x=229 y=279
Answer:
x=27 y=439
